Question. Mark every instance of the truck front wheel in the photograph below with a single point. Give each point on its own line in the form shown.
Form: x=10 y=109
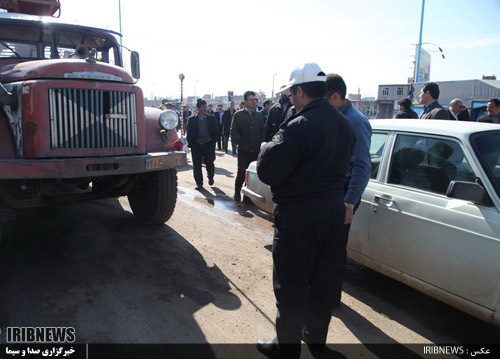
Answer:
x=153 y=197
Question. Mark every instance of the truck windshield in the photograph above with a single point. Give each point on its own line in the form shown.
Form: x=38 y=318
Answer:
x=487 y=148
x=29 y=42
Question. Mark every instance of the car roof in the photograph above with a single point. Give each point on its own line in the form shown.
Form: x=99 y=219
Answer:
x=460 y=129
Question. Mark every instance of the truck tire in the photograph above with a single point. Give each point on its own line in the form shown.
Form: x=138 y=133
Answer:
x=153 y=197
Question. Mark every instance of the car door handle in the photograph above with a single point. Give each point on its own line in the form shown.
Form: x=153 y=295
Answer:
x=387 y=201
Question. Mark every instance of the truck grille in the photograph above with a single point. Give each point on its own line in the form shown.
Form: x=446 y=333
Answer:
x=82 y=118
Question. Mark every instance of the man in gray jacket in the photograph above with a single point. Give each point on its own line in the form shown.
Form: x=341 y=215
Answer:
x=247 y=131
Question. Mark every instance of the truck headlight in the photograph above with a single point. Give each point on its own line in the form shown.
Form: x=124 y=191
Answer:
x=168 y=120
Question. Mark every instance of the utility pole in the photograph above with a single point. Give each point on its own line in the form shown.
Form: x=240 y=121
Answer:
x=417 y=74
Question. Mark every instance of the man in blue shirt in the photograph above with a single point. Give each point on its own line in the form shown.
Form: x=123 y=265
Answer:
x=360 y=168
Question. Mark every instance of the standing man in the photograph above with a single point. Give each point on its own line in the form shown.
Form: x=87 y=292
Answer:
x=493 y=109
x=429 y=95
x=227 y=119
x=358 y=175
x=247 y=131
x=218 y=117
x=265 y=110
x=405 y=110
x=279 y=113
x=305 y=164
x=454 y=109
x=210 y=109
x=201 y=135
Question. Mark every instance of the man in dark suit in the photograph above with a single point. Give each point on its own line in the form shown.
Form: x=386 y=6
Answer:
x=218 y=117
x=227 y=119
x=201 y=136
x=454 y=109
x=429 y=95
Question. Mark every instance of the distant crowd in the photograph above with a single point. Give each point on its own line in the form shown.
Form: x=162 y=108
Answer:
x=456 y=110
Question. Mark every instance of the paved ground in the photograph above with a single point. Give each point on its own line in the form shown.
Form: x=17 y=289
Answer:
x=204 y=277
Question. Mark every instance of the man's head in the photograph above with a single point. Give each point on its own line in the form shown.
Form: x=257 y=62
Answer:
x=219 y=107
x=231 y=105
x=163 y=107
x=170 y=106
x=267 y=105
x=210 y=107
x=201 y=106
x=307 y=83
x=285 y=98
x=429 y=93
x=456 y=106
x=250 y=100
x=335 y=90
x=494 y=107
x=404 y=104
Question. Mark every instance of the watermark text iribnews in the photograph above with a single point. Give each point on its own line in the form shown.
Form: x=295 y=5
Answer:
x=40 y=335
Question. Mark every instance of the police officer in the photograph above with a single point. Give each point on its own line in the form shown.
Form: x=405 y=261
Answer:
x=305 y=165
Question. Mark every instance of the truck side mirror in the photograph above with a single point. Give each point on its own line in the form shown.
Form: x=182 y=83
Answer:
x=135 y=65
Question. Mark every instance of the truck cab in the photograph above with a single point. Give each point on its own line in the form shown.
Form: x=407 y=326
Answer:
x=73 y=125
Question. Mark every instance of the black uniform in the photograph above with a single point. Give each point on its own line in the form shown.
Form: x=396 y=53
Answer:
x=305 y=165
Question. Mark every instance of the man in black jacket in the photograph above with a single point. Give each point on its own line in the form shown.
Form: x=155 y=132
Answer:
x=405 y=110
x=227 y=119
x=429 y=95
x=247 y=131
x=305 y=164
x=493 y=115
x=277 y=115
x=201 y=136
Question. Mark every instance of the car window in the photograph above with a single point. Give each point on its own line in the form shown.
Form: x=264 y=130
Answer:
x=487 y=147
x=377 y=146
x=428 y=163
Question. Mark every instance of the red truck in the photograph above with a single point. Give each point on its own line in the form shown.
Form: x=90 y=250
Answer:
x=73 y=125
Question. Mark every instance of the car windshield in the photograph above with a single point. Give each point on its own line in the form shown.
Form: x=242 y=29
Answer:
x=30 y=42
x=487 y=147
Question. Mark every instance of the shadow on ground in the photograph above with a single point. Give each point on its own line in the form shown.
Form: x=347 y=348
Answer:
x=92 y=267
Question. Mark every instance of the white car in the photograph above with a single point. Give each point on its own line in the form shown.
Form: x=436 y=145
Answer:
x=430 y=215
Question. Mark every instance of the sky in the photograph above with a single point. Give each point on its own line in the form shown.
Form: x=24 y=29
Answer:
x=224 y=45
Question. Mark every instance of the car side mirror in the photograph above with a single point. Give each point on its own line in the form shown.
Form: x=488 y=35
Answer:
x=468 y=191
x=135 y=64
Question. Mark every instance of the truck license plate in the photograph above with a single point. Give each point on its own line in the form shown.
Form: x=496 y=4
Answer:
x=155 y=163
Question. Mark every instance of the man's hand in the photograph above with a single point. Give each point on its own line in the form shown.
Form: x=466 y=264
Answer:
x=349 y=212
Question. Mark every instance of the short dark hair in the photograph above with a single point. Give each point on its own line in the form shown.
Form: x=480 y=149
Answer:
x=433 y=89
x=247 y=94
x=316 y=89
x=335 y=84
x=267 y=102
x=200 y=102
x=495 y=101
x=405 y=102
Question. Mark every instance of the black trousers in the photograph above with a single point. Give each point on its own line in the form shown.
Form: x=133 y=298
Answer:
x=203 y=154
x=306 y=244
x=244 y=159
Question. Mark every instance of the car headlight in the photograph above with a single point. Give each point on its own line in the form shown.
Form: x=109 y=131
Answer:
x=168 y=120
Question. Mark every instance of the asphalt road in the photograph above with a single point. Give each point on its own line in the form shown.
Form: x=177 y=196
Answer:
x=203 y=277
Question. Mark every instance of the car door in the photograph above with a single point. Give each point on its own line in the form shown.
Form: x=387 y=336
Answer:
x=415 y=229
x=358 y=234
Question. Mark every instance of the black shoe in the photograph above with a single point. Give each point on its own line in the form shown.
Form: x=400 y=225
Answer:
x=314 y=347
x=269 y=348
x=199 y=187
x=211 y=181
x=247 y=200
x=237 y=197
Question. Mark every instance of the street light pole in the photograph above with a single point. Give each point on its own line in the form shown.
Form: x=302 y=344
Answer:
x=419 y=43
